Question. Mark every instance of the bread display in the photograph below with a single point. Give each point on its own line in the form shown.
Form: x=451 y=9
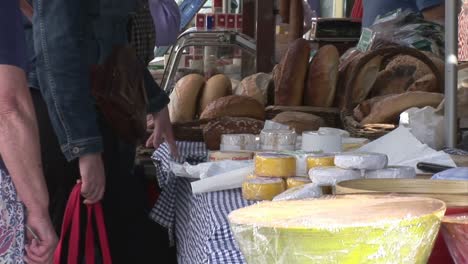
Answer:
x=322 y=78
x=427 y=83
x=300 y=122
x=365 y=79
x=213 y=131
x=393 y=81
x=256 y=86
x=290 y=74
x=216 y=87
x=183 y=99
x=234 y=106
x=386 y=109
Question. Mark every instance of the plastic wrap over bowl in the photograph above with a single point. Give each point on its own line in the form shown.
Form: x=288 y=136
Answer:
x=341 y=229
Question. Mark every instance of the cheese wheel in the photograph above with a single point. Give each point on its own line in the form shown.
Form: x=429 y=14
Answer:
x=326 y=176
x=259 y=189
x=361 y=161
x=275 y=165
x=392 y=172
x=306 y=191
x=325 y=160
x=235 y=142
x=277 y=139
x=229 y=155
x=296 y=181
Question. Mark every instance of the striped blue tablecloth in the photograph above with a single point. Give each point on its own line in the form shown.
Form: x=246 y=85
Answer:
x=197 y=223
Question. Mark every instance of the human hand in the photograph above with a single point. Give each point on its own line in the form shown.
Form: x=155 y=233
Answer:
x=41 y=239
x=93 y=177
x=162 y=131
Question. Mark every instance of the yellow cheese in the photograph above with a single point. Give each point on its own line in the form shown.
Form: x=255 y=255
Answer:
x=320 y=161
x=275 y=165
x=229 y=155
x=259 y=189
x=296 y=181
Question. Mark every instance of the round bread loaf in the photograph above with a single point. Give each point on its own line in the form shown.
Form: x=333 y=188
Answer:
x=216 y=87
x=299 y=121
x=291 y=73
x=234 y=106
x=366 y=79
x=183 y=104
x=322 y=77
x=256 y=86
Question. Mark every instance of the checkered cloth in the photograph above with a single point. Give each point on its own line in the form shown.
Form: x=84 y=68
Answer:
x=202 y=231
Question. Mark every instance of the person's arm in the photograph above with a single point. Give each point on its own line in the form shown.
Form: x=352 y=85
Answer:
x=63 y=74
x=19 y=139
x=433 y=10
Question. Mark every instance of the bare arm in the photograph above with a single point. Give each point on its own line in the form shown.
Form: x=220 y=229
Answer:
x=19 y=140
x=19 y=148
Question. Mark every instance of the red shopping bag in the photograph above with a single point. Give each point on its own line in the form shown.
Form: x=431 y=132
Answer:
x=71 y=227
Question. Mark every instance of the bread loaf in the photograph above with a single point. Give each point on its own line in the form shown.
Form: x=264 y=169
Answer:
x=299 y=121
x=256 y=86
x=393 y=81
x=427 y=83
x=290 y=74
x=365 y=79
x=420 y=68
x=183 y=104
x=322 y=77
x=213 y=131
x=390 y=107
x=216 y=87
x=234 y=106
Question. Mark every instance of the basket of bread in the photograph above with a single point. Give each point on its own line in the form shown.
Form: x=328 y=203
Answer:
x=204 y=109
x=381 y=84
x=307 y=85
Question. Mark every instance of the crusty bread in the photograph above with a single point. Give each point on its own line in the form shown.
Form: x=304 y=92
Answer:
x=256 y=86
x=427 y=83
x=234 y=106
x=216 y=87
x=213 y=131
x=322 y=77
x=420 y=68
x=390 y=107
x=299 y=121
x=365 y=79
x=183 y=104
x=290 y=74
x=393 y=81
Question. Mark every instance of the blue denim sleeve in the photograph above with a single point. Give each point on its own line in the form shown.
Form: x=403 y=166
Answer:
x=12 y=43
x=64 y=75
x=425 y=4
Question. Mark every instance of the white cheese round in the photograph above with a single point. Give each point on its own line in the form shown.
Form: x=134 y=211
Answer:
x=326 y=176
x=393 y=172
x=361 y=161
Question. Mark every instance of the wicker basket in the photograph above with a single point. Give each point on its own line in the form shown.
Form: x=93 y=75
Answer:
x=330 y=115
x=373 y=131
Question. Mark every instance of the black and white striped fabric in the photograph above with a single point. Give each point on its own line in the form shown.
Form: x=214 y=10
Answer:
x=202 y=231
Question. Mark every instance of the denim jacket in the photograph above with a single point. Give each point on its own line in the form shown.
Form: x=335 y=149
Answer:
x=69 y=36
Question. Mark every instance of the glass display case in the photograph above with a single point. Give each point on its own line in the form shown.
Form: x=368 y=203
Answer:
x=209 y=53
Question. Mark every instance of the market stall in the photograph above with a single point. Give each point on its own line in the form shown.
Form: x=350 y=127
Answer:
x=343 y=112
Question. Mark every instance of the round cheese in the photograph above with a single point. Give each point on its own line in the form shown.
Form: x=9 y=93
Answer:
x=305 y=191
x=324 y=160
x=326 y=176
x=229 y=155
x=296 y=181
x=361 y=161
x=277 y=139
x=259 y=189
x=393 y=172
x=275 y=165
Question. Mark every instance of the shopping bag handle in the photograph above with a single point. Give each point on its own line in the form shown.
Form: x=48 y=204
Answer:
x=71 y=224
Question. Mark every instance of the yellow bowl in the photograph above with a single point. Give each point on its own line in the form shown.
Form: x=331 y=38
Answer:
x=346 y=229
